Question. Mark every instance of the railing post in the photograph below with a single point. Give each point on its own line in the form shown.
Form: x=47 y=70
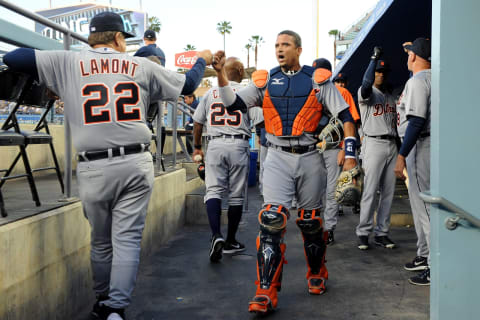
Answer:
x=68 y=138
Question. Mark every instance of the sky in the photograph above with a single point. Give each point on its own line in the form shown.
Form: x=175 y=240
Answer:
x=194 y=22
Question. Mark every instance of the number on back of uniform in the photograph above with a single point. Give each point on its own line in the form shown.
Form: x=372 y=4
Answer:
x=221 y=116
x=96 y=109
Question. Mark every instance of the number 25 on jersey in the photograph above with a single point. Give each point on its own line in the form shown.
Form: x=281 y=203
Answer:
x=221 y=116
x=95 y=107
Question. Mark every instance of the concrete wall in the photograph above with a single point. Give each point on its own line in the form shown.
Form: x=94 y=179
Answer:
x=40 y=155
x=44 y=260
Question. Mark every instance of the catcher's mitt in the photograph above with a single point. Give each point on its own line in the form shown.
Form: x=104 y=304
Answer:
x=331 y=136
x=348 y=191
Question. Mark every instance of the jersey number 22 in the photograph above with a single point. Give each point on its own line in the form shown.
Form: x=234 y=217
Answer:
x=95 y=108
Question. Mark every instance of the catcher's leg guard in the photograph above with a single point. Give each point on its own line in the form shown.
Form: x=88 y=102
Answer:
x=270 y=258
x=314 y=241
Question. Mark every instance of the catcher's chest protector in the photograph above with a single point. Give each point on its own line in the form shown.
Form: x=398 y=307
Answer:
x=290 y=106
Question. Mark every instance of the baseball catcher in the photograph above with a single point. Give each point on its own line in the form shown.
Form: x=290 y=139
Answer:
x=349 y=186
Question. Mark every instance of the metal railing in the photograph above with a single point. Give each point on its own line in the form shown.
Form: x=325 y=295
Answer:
x=67 y=35
x=451 y=223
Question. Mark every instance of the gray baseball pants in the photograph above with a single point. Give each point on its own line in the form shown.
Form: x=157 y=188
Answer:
x=418 y=168
x=226 y=169
x=287 y=175
x=115 y=194
x=333 y=171
x=379 y=157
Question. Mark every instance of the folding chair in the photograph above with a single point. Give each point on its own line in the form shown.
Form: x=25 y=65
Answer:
x=14 y=87
x=37 y=96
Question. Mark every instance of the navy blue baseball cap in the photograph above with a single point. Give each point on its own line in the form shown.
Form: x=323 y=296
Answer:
x=341 y=77
x=381 y=66
x=150 y=34
x=108 y=21
x=322 y=63
x=421 y=47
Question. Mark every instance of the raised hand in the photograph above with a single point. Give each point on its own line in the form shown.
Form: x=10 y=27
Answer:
x=377 y=53
x=218 y=60
x=206 y=55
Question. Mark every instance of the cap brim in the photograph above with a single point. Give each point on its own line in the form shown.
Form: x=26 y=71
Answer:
x=128 y=35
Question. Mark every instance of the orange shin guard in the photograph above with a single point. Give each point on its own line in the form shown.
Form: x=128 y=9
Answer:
x=266 y=299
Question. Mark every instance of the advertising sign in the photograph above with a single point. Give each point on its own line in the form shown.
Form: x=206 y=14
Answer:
x=185 y=59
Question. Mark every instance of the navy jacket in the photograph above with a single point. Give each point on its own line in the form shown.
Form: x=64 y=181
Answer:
x=151 y=50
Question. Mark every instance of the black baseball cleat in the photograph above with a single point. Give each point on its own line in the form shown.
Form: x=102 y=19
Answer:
x=233 y=247
x=216 y=248
x=385 y=242
x=356 y=209
x=103 y=312
x=363 y=242
x=340 y=210
x=422 y=279
x=418 y=264
x=330 y=239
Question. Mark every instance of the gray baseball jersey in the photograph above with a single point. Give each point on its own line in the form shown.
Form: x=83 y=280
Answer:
x=415 y=96
x=378 y=113
x=106 y=94
x=227 y=159
x=379 y=118
x=327 y=94
x=416 y=101
x=219 y=120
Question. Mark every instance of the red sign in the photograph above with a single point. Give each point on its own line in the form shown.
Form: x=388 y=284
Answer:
x=185 y=59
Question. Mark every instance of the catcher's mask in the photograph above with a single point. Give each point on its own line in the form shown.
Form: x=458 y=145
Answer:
x=347 y=191
x=331 y=136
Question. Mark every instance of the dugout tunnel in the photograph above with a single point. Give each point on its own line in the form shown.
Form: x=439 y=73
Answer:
x=392 y=23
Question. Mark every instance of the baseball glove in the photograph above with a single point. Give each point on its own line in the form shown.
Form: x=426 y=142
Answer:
x=331 y=136
x=348 y=191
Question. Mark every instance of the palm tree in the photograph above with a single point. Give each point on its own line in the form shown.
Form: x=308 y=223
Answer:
x=336 y=34
x=224 y=27
x=248 y=46
x=190 y=47
x=256 y=40
x=154 y=24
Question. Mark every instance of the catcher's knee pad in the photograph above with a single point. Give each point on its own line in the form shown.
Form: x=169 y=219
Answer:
x=314 y=241
x=270 y=246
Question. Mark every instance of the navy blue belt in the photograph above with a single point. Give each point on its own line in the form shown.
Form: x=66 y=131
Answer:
x=103 y=154
x=293 y=149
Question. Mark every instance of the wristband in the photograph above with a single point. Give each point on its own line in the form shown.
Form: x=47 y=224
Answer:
x=198 y=146
x=350 y=147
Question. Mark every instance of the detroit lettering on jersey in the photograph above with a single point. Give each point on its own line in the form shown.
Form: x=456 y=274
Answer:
x=107 y=66
x=381 y=109
x=378 y=113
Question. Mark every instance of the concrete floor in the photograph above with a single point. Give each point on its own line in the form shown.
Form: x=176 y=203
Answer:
x=179 y=282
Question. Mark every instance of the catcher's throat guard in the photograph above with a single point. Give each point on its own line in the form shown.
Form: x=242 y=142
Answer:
x=331 y=136
x=348 y=190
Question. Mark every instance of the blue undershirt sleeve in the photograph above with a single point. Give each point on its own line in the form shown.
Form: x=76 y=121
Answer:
x=414 y=128
x=194 y=76
x=345 y=116
x=368 y=79
x=22 y=60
